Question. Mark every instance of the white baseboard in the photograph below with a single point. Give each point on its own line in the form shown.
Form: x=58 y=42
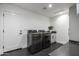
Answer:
x=62 y=42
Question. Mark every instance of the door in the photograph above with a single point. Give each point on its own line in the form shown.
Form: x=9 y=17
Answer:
x=1 y=32
x=11 y=32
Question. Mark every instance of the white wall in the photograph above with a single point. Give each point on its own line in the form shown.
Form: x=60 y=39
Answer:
x=61 y=25
x=26 y=19
x=74 y=23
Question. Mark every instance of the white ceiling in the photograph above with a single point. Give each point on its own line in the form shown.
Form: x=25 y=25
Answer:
x=50 y=12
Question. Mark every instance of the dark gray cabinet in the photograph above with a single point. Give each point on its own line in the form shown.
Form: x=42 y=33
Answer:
x=38 y=41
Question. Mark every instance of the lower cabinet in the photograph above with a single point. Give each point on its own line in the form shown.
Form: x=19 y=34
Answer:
x=35 y=48
x=38 y=42
x=46 y=40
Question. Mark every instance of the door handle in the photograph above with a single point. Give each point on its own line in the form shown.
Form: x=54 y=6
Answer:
x=20 y=32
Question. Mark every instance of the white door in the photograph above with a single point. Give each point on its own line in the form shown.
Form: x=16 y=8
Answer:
x=11 y=32
x=1 y=32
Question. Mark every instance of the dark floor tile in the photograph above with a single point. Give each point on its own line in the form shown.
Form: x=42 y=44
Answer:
x=25 y=52
x=45 y=52
x=61 y=51
x=69 y=49
x=74 y=49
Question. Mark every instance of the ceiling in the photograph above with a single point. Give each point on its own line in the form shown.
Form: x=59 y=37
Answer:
x=42 y=8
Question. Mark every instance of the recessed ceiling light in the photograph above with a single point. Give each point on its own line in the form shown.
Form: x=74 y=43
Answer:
x=50 y=5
